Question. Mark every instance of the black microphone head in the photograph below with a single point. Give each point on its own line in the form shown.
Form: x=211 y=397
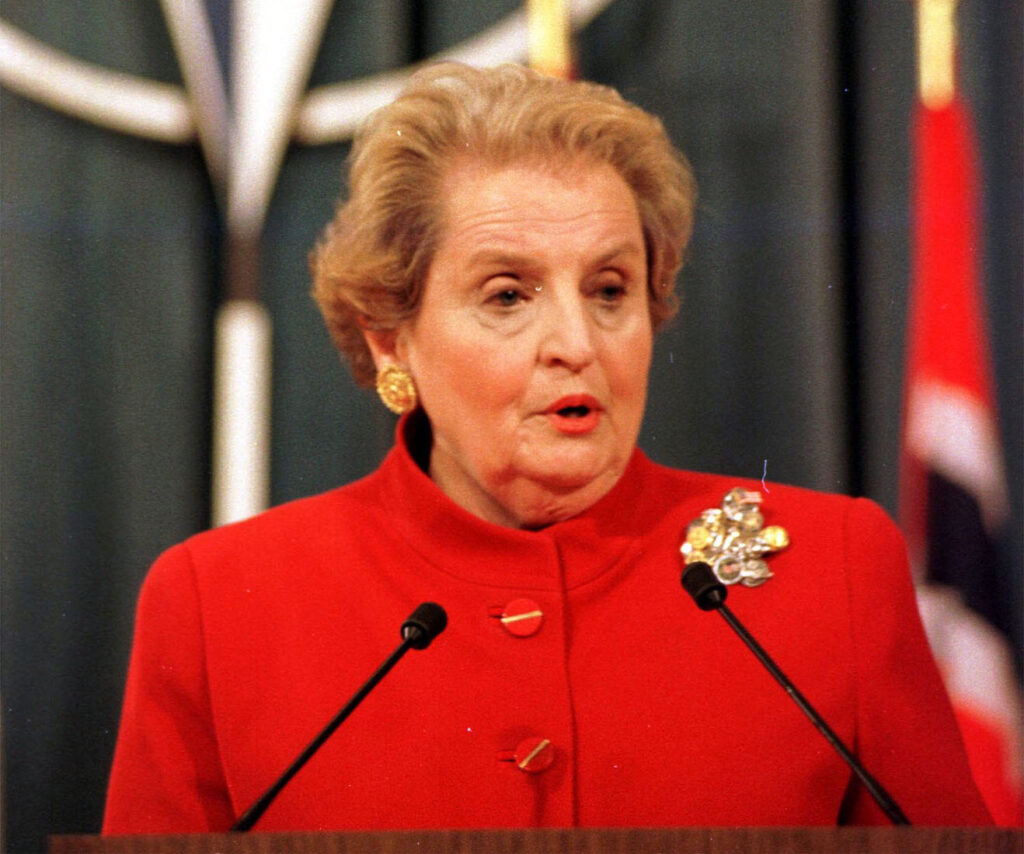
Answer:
x=700 y=581
x=424 y=624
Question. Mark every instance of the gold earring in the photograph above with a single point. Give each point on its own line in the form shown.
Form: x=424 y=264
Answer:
x=396 y=388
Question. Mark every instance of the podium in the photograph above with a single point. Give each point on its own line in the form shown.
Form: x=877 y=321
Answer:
x=732 y=840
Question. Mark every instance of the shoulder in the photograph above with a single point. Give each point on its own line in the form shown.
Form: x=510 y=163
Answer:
x=280 y=540
x=296 y=522
x=683 y=489
x=833 y=538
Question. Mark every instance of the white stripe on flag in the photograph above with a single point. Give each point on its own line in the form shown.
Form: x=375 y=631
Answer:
x=954 y=434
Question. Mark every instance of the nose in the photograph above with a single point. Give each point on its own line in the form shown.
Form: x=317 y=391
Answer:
x=568 y=332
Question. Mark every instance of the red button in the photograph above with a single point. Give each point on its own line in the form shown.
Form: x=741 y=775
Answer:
x=534 y=755
x=522 y=617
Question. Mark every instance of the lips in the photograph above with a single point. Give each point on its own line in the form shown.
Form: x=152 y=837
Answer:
x=575 y=414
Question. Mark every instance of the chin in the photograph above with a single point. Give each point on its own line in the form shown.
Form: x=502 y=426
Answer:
x=568 y=476
x=543 y=497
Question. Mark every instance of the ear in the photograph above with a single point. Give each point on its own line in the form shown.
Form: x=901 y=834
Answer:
x=385 y=346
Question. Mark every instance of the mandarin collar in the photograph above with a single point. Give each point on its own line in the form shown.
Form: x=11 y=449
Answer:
x=564 y=555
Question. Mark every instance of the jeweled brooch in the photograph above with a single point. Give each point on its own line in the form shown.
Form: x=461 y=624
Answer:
x=732 y=539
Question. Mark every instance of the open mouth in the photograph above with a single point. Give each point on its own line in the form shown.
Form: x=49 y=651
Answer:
x=575 y=415
x=574 y=411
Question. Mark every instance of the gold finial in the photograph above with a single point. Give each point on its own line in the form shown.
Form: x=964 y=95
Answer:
x=550 y=37
x=936 y=52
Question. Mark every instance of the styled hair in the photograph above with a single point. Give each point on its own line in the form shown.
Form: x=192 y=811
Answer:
x=372 y=260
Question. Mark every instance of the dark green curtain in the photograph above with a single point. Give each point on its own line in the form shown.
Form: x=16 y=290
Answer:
x=109 y=255
x=786 y=358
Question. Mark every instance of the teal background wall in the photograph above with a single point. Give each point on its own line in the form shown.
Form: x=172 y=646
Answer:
x=786 y=357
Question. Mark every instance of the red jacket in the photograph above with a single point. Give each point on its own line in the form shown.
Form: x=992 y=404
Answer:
x=250 y=637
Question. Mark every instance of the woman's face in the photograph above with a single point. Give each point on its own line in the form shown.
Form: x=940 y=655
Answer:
x=532 y=344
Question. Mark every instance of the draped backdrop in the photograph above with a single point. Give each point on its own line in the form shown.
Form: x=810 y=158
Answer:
x=786 y=360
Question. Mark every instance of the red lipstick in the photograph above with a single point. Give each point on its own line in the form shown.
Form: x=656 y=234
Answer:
x=575 y=414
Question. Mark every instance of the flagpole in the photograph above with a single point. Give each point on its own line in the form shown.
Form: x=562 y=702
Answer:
x=935 y=45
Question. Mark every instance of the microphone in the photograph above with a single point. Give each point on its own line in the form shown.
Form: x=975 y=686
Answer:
x=709 y=593
x=423 y=625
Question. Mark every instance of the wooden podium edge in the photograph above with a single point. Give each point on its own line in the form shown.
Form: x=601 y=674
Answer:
x=725 y=840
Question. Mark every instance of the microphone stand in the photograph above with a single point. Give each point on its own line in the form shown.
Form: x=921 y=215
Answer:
x=709 y=593
x=427 y=621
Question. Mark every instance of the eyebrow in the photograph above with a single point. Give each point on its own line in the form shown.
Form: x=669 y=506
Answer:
x=628 y=247
x=502 y=257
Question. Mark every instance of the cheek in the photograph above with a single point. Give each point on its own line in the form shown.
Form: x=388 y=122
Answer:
x=632 y=364
x=466 y=375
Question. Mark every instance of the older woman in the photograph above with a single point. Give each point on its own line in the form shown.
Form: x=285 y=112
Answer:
x=506 y=253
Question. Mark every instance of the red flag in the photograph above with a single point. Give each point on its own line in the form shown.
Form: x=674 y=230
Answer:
x=952 y=483
x=950 y=426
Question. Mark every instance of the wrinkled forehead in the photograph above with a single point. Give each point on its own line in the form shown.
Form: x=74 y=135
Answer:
x=566 y=167
x=482 y=201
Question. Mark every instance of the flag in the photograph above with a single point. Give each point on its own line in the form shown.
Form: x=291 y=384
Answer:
x=952 y=481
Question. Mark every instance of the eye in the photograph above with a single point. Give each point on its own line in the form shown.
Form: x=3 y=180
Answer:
x=611 y=293
x=610 y=290
x=507 y=298
x=505 y=291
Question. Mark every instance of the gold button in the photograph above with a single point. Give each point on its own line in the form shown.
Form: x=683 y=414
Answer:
x=534 y=755
x=521 y=617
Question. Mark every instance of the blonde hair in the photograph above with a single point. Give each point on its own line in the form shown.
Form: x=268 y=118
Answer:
x=372 y=260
